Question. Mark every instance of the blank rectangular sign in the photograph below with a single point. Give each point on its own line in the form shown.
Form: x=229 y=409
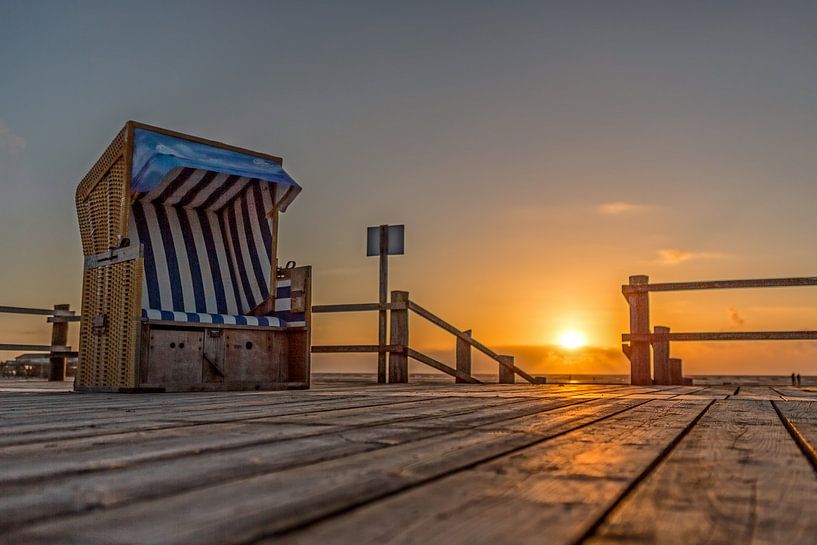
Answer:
x=396 y=240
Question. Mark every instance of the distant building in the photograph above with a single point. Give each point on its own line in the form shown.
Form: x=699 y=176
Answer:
x=32 y=366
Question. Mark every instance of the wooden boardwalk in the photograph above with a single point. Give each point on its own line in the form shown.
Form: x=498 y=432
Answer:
x=444 y=464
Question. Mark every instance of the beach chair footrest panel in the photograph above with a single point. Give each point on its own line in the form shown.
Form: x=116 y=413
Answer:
x=190 y=357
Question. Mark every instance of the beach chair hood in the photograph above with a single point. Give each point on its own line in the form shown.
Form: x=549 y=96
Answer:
x=159 y=157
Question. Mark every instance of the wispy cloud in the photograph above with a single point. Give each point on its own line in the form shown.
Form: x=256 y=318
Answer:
x=675 y=256
x=10 y=141
x=618 y=208
x=735 y=317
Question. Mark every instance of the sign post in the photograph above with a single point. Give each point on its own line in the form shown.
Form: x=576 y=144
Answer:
x=383 y=241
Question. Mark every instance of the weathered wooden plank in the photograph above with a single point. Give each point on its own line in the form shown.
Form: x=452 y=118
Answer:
x=59 y=337
x=757 y=393
x=30 y=462
x=382 y=317
x=346 y=307
x=790 y=392
x=78 y=405
x=722 y=336
x=446 y=407
x=36 y=460
x=800 y=417
x=660 y=349
x=547 y=493
x=506 y=370
x=26 y=347
x=480 y=417
x=176 y=416
x=114 y=432
x=440 y=366
x=724 y=284
x=463 y=357
x=676 y=373
x=33 y=311
x=342 y=348
x=399 y=335
x=22 y=503
x=76 y=493
x=639 y=350
x=570 y=416
x=737 y=477
x=251 y=508
x=84 y=402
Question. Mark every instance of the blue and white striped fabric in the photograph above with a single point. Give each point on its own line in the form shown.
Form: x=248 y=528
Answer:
x=167 y=315
x=206 y=240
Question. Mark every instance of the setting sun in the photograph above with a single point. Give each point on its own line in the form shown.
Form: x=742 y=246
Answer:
x=572 y=339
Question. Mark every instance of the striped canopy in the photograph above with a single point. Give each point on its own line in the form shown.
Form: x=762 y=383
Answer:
x=205 y=232
x=155 y=155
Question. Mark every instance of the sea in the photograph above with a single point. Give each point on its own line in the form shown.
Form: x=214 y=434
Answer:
x=698 y=380
x=337 y=379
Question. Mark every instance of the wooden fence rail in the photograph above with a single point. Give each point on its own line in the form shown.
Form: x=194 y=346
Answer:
x=399 y=350
x=59 y=318
x=667 y=370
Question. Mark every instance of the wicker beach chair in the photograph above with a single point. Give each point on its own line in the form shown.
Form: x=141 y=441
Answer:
x=180 y=287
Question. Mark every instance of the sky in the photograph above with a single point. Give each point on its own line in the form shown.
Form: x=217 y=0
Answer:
x=538 y=153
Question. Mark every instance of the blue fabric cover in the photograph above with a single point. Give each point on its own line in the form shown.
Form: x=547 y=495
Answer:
x=155 y=155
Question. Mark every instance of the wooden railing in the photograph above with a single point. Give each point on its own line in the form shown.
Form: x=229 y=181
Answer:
x=58 y=317
x=668 y=370
x=399 y=350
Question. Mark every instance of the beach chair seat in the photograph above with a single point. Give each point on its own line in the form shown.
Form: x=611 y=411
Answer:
x=219 y=319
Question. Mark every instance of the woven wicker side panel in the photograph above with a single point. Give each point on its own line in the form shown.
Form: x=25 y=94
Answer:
x=101 y=200
x=107 y=354
x=102 y=213
x=113 y=153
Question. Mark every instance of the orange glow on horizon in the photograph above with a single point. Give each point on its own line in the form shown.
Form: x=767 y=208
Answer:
x=572 y=339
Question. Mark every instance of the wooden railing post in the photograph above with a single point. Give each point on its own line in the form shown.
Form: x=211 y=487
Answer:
x=639 y=302
x=381 y=315
x=463 y=356
x=660 y=353
x=398 y=357
x=59 y=337
x=676 y=374
x=506 y=374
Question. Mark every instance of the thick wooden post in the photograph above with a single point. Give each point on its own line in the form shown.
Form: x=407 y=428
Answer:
x=463 y=357
x=384 y=290
x=398 y=358
x=59 y=337
x=660 y=352
x=639 y=325
x=676 y=374
x=506 y=375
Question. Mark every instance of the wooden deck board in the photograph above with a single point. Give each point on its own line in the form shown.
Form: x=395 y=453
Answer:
x=549 y=492
x=737 y=477
x=119 y=485
x=406 y=464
